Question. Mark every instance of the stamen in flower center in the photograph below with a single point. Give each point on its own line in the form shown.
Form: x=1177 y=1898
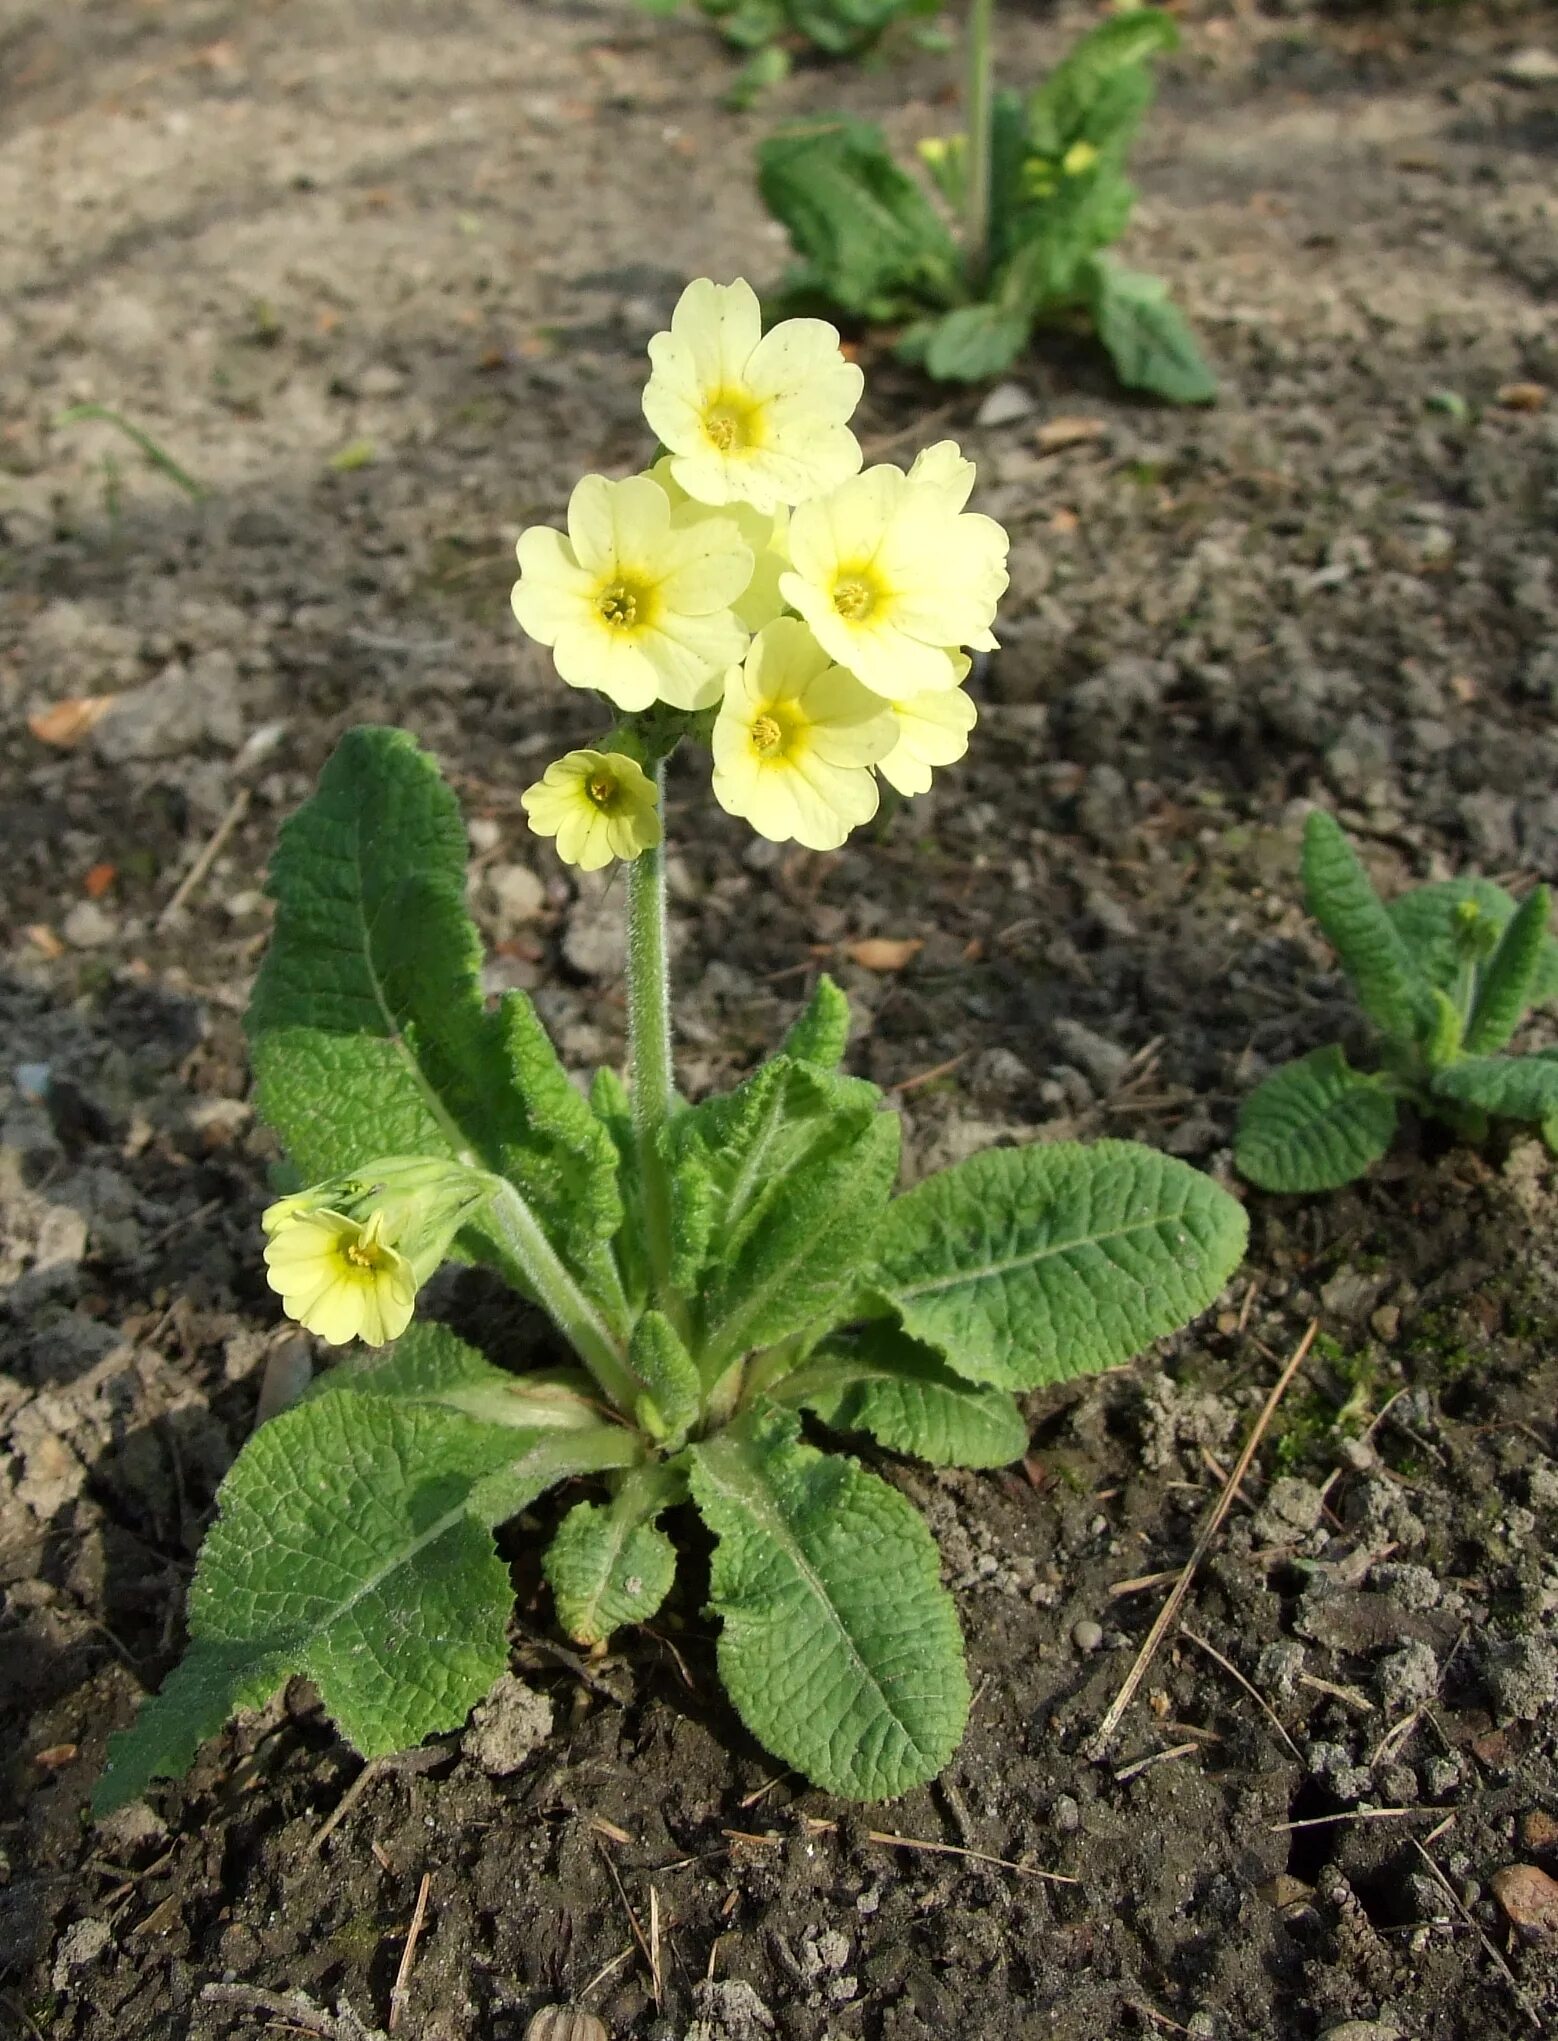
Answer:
x=731 y=424
x=854 y=599
x=766 y=736
x=602 y=791
x=618 y=605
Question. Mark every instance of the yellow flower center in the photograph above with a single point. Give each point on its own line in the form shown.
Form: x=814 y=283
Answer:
x=767 y=736
x=601 y=790
x=730 y=424
x=619 y=605
x=854 y=598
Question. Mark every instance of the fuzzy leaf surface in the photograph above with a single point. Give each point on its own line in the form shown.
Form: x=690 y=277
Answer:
x=368 y=1027
x=838 y=1645
x=1504 y=992
x=1100 y=89
x=906 y=1397
x=1514 y=1087
x=1148 y=338
x=1384 y=974
x=431 y=1364
x=1030 y=1265
x=353 y=1545
x=972 y=344
x=820 y=1031
x=606 y=1568
x=1427 y=919
x=1314 y=1125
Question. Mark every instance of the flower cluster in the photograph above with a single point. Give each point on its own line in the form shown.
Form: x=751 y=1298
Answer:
x=808 y=617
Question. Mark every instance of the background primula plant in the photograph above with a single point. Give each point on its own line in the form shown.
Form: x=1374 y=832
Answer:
x=713 y=1270
x=1447 y=973
x=776 y=30
x=1039 y=188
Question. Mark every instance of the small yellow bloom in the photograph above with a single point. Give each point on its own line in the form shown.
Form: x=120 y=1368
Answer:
x=932 y=731
x=1081 y=156
x=795 y=741
x=892 y=574
x=631 y=602
x=750 y=417
x=764 y=533
x=599 y=805
x=340 y=1279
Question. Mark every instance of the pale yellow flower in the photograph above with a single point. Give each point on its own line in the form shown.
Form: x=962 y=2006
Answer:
x=631 y=602
x=795 y=741
x=763 y=532
x=932 y=731
x=892 y=574
x=599 y=805
x=340 y=1278
x=749 y=417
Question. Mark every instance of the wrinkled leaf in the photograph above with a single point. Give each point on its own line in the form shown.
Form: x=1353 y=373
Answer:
x=607 y=1566
x=886 y=1384
x=1148 y=340
x=1390 y=988
x=971 y=344
x=1505 y=987
x=1314 y=1125
x=1513 y=1087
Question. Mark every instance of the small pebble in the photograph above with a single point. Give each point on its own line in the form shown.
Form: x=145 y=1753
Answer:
x=1064 y=1815
x=1529 y=1899
x=1087 y=1635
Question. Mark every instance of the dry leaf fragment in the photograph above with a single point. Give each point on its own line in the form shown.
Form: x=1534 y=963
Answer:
x=98 y=880
x=884 y=952
x=66 y=723
x=1056 y=434
x=1529 y=1897
x=42 y=937
x=1523 y=396
x=56 y=1757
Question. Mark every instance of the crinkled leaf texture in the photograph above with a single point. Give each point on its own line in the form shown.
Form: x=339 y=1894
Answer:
x=971 y=344
x=1025 y=1266
x=1148 y=338
x=838 y=1645
x=820 y=1031
x=353 y=1545
x=1100 y=89
x=606 y=1568
x=1507 y=982
x=1384 y=972
x=905 y=1396
x=1314 y=1125
x=368 y=1027
x=1515 y=1087
x=1426 y=919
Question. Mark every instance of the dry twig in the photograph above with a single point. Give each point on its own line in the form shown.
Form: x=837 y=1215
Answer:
x=402 y=1986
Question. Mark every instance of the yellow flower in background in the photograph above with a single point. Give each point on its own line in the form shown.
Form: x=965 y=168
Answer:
x=795 y=740
x=932 y=731
x=763 y=532
x=630 y=601
x=892 y=574
x=339 y=1278
x=749 y=417
x=599 y=805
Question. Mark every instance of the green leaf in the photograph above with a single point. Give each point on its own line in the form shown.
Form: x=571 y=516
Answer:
x=872 y=243
x=431 y=1364
x=886 y=1384
x=813 y=1171
x=612 y=1106
x=844 y=27
x=607 y=1565
x=353 y=1546
x=1101 y=88
x=1390 y=988
x=368 y=1027
x=1057 y=235
x=1514 y=1087
x=1429 y=921
x=1030 y=1265
x=973 y=343
x=765 y=68
x=839 y=1645
x=1504 y=993
x=1314 y=1125
x=1148 y=341
x=820 y=1032
x=668 y=1372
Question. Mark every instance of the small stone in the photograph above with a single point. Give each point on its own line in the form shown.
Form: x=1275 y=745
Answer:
x=1291 y=1508
x=517 y=893
x=380 y=379
x=1537 y=1829
x=1533 y=65
x=1408 y=1676
x=1006 y=403
x=1105 y=1062
x=1523 y=1678
x=88 y=926
x=1285 y=1890
x=1087 y=1635
x=1362 y=2030
x=728 y=2009
x=513 y=1721
x=1065 y=1816
x=1386 y=1322
x=565 y=2023
x=1529 y=1899
x=81 y=1945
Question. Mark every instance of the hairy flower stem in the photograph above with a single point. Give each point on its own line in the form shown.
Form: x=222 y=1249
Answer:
x=978 y=87
x=569 y=1308
x=649 y=1053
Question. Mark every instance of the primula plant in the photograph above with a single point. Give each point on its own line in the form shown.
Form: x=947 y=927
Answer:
x=715 y=1270
x=774 y=31
x=1447 y=973
x=1038 y=186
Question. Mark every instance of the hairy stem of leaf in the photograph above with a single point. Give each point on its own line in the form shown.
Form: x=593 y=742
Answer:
x=649 y=1049
x=571 y=1310
x=977 y=128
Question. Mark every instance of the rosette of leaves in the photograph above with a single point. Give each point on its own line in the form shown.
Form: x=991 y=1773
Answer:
x=876 y=247
x=354 y=1539
x=1447 y=974
x=773 y=31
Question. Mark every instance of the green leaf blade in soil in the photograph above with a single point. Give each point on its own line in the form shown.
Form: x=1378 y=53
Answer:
x=1099 y=90
x=1342 y=899
x=606 y=1568
x=1025 y=1266
x=1504 y=994
x=353 y=1545
x=838 y=1644
x=820 y=1031
x=1314 y=1125
x=368 y=1027
x=1426 y=918
x=431 y=1364
x=972 y=344
x=909 y=1401
x=1513 y=1087
x=1147 y=337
